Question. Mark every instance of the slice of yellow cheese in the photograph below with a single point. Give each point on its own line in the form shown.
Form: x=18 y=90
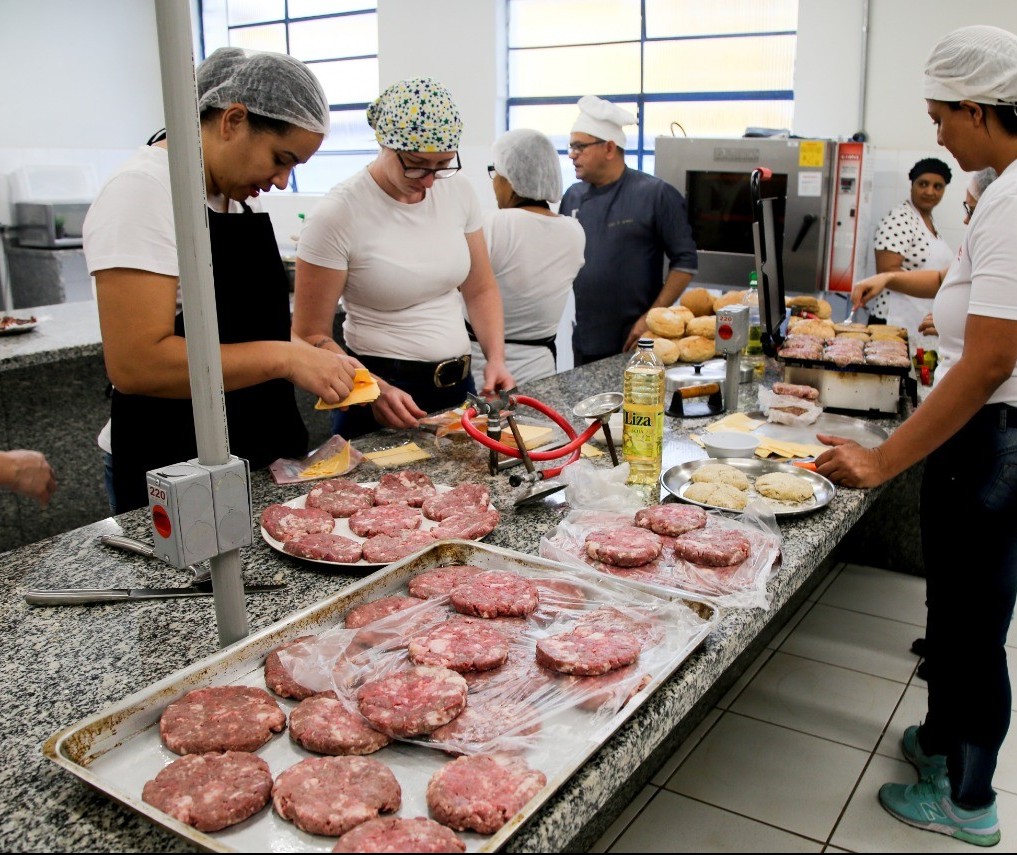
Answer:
x=365 y=390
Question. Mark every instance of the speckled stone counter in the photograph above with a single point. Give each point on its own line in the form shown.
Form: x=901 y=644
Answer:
x=65 y=663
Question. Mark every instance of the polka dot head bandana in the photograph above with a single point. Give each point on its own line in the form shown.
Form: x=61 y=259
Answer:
x=416 y=115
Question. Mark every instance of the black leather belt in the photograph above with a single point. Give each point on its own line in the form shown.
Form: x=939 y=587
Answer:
x=549 y=342
x=443 y=374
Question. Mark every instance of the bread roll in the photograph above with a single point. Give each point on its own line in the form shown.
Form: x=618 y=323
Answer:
x=666 y=349
x=695 y=348
x=824 y=310
x=666 y=322
x=731 y=298
x=697 y=300
x=805 y=303
x=823 y=329
x=850 y=328
x=860 y=336
x=705 y=326
x=880 y=331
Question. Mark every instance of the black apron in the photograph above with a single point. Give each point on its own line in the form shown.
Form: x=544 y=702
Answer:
x=252 y=304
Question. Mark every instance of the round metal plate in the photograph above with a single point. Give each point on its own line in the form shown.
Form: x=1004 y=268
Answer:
x=599 y=405
x=677 y=479
x=861 y=431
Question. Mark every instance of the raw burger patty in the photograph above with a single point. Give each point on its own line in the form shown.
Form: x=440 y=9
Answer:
x=440 y=581
x=403 y=488
x=588 y=651
x=808 y=393
x=629 y=546
x=341 y=497
x=325 y=547
x=482 y=792
x=712 y=547
x=383 y=548
x=395 y=834
x=413 y=702
x=494 y=594
x=469 y=525
x=384 y=519
x=483 y=721
x=331 y=795
x=461 y=644
x=324 y=725
x=285 y=523
x=278 y=679
x=211 y=791
x=466 y=498
x=671 y=520
x=221 y=718
x=377 y=609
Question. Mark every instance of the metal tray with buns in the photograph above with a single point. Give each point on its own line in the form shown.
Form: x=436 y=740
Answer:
x=678 y=479
x=117 y=749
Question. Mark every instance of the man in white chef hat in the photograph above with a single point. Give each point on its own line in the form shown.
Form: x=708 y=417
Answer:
x=632 y=222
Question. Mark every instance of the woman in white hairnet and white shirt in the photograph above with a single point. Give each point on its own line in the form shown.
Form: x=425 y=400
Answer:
x=966 y=430
x=535 y=252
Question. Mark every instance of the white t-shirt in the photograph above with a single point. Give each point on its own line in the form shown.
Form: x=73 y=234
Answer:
x=983 y=279
x=404 y=263
x=535 y=259
x=130 y=223
x=904 y=232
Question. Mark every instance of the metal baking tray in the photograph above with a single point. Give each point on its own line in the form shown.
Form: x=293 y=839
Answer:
x=863 y=432
x=118 y=749
x=677 y=479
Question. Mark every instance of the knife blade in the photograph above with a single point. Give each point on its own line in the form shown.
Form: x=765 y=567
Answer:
x=83 y=596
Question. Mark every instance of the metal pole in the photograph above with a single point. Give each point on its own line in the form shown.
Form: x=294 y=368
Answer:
x=194 y=252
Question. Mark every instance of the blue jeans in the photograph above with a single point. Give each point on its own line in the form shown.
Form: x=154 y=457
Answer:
x=969 y=543
x=107 y=463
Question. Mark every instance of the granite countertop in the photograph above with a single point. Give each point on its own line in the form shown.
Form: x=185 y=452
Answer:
x=65 y=663
x=64 y=331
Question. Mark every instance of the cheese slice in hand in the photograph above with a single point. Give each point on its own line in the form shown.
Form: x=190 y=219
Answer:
x=365 y=390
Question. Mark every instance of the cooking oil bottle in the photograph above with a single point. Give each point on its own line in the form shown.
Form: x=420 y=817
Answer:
x=643 y=426
x=754 y=347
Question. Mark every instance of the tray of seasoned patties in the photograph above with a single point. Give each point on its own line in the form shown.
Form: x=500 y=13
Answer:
x=439 y=702
x=731 y=483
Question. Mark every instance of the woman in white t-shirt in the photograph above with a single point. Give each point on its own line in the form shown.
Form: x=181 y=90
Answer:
x=907 y=239
x=260 y=115
x=535 y=253
x=966 y=431
x=399 y=245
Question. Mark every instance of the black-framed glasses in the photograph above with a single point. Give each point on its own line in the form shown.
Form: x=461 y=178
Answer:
x=490 y=171
x=968 y=209
x=424 y=171
x=580 y=147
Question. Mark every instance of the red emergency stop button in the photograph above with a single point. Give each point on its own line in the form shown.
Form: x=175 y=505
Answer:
x=724 y=331
x=161 y=521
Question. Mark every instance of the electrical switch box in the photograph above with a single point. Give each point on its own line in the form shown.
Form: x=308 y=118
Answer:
x=183 y=516
x=732 y=329
x=231 y=501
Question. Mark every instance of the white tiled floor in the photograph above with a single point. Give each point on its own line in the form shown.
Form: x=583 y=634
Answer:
x=791 y=758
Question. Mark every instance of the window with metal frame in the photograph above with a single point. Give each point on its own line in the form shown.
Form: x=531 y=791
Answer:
x=338 y=39
x=681 y=66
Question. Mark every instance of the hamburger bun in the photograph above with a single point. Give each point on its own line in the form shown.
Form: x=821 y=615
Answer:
x=806 y=303
x=697 y=300
x=731 y=298
x=824 y=310
x=666 y=349
x=695 y=348
x=705 y=326
x=666 y=322
x=822 y=329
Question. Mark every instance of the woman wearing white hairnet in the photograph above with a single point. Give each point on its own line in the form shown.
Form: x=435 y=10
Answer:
x=398 y=243
x=535 y=253
x=966 y=429
x=260 y=116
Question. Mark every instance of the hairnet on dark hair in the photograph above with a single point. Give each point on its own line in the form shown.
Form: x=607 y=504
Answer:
x=933 y=165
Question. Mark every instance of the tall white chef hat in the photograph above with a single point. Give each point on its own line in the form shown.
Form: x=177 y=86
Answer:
x=602 y=119
x=977 y=63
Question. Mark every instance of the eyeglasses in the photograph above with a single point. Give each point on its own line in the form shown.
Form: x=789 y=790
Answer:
x=968 y=209
x=580 y=147
x=490 y=171
x=424 y=171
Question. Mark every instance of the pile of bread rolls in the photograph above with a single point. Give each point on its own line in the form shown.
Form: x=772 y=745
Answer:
x=686 y=332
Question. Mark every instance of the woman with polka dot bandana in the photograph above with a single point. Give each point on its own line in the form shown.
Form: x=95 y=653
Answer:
x=398 y=243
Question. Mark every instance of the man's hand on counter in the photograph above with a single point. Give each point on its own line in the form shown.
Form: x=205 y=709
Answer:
x=28 y=473
x=849 y=464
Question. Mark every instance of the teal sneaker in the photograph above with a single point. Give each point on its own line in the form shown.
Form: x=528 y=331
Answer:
x=928 y=765
x=926 y=805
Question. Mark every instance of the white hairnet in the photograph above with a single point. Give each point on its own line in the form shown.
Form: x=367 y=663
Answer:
x=973 y=64
x=979 y=181
x=274 y=85
x=218 y=67
x=602 y=119
x=529 y=161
